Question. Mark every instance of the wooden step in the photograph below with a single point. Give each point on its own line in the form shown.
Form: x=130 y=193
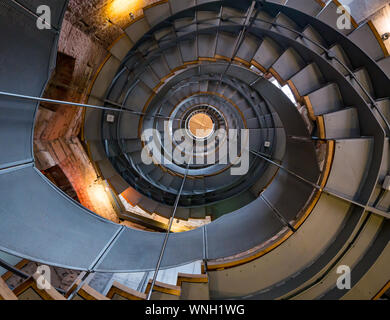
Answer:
x=5 y=292
x=193 y=286
x=29 y=290
x=163 y=291
x=119 y=291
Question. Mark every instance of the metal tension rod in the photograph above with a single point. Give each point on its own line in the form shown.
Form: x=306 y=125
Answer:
x=246 y=25
x=267 y=157
x=12 y=269
x=140 y=113
x=278 y=214
x=167 y=233
x=68 y=103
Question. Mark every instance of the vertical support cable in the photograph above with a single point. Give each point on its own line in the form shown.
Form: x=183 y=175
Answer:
x=167 y=233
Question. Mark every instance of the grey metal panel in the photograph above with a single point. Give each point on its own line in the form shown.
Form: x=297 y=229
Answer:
x=342 y=124
x=157 y=13
x=385 y=65
x=26 y=61
x=268 y=52
x=308 y=79
x=180 y=5
x=137 y=29
x=351 y=161
x=309 y=7
x=365 y=39
x=206 y=45
x=285 y=21
x=56 y=222
x=16 y=125
x=118 y=183
x=313 y=35
x=225 y=44
x=139 y=251
x=129 y=126
x=241 y=230
x=138 y=97
x=330 y=16
x=326 y=100
x=288 y=195
x=288 y=64
x=288 y=114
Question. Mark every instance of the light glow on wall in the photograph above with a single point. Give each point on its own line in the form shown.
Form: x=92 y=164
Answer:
x=120 y=8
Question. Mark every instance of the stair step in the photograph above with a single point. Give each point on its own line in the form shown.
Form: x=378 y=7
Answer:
x=132 y=196
x=164 y=211
x=342 y=124
x=28 y=290
x=366 y=37
x=237 y=17
x=289 y=64
x=148 y=205
x=207 y=45
x=160 y=68
x=198 y=213
x=182 y=213
x=311 y=8
x=119 y=184
x=325 y=100
x=313 y=35
x=138 y=97
x=157 y=13
x=385 y=65
x=5 y=292
x=330 y=16
x=173 y=57
x=193 y=286
x=225 y=44
x=122 y=47
x=137 y=29
x=248 y=48
x=364 y=79
x=268 y=52
x=283 y=20
x=350 y=163
x=308 y=80
x=339 y=52
x=189 y=50
x=180 y=5
x=384 y=107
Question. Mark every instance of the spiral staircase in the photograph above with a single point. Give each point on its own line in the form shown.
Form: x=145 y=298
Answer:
x=312 y=200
